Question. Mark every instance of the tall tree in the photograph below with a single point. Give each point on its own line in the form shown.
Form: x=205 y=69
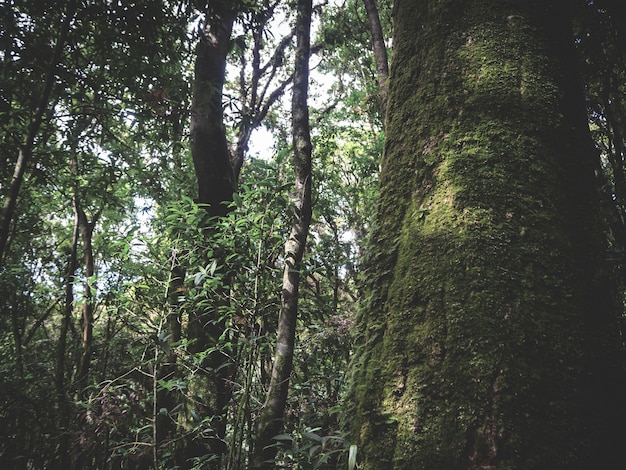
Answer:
x=26 y=149
x=380 y=51
x=208 y=389
x=217 y=167
x=60 y=374
x=601 y=40
x=488 y=339
x=209 y=145
x=86 y=229
x=271 y=417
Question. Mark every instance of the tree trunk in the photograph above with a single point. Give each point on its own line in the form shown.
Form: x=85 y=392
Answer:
x=488 y=338
x=168 y=399
x=86 y=346
x=380 y=52
x=209 y=392
x=63 y=456
x=270 y=421
x=209 y=146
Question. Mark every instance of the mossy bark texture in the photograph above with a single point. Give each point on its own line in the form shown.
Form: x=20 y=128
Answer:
x=486 y=340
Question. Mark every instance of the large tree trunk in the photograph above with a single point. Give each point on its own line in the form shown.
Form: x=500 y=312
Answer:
x=209 y=146
x=270 y=422
x=488 y=339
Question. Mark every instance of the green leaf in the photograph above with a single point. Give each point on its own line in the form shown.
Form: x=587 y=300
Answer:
x=313 y=436
x=212 y=268
x=352 y=457
x=198 y=278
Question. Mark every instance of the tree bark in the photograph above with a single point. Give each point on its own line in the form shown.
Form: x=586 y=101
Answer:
x=209 y=146
x=270 y=421
x=380 y=52
x=488 y=337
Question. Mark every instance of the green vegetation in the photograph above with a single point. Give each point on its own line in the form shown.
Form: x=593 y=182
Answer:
x=462 y=311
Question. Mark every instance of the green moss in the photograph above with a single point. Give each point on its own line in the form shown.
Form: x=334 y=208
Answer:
x=472 y=342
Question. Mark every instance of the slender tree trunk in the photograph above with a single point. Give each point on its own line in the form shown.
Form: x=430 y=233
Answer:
x=271 y=418
x=26 y=151
x=167 y=399
x=488 y=337
x=86 y=347
x=256 y=96
x=83 y=366
x=63 y=456
x=380 y=52
x=85 y=230
x=18 y=330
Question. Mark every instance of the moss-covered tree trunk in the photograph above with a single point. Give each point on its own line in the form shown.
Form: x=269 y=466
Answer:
x=488 y=337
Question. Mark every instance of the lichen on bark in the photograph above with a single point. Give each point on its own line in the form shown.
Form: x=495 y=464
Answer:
x=486 y=290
